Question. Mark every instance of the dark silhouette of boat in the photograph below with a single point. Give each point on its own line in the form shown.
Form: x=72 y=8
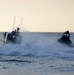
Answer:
x=13 y=36
x=65 y=39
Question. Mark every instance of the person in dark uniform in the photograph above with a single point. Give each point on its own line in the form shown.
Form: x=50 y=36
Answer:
x=16 y=32
x=18 y=29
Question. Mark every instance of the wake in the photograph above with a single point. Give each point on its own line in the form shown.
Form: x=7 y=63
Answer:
x=38 y=44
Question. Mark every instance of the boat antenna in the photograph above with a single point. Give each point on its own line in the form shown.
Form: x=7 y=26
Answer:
x=21 y=23
x=14 y=23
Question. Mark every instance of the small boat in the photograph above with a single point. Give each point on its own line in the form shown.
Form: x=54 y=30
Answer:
x=65 y=39
x=13 y=37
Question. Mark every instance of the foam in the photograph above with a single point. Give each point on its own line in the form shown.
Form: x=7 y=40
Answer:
x=38 y=44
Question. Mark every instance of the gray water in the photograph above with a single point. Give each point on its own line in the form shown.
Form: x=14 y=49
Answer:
x=31 y=65
x=38 y=54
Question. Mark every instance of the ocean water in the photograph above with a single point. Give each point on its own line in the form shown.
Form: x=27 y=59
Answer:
x=39 y=44
x=38 y=54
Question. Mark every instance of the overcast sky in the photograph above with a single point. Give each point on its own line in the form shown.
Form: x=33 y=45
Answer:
x=38 y=15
